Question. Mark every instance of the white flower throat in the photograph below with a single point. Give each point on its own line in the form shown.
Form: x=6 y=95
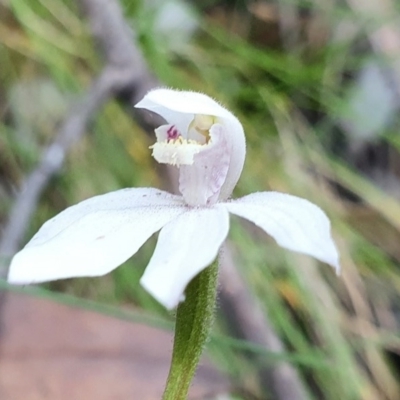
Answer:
x=176 y=148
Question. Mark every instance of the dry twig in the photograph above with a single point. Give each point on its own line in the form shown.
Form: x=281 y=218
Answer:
x=125 y=69
x=250 y=322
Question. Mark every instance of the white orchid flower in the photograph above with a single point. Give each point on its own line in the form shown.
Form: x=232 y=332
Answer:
x=206 y=142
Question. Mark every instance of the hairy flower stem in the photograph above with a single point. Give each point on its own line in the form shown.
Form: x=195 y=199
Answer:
x=193 y=323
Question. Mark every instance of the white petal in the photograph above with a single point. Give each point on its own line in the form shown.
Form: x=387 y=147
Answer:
x=179 y=108
x=185 y=247
x=94 y=236
x=293 y=222
x=237 y=143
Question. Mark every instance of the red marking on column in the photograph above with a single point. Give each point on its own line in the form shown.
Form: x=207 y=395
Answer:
x=172 y=133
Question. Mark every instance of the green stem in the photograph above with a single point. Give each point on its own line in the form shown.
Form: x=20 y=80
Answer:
x=193 y=323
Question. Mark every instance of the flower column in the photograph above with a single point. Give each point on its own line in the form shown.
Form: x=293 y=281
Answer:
x=206 y=143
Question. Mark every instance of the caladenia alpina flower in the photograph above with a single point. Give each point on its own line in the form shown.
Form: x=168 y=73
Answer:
x=206 y=142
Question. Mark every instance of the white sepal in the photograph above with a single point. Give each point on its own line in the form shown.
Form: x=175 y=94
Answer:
x=185 y=246
x=95 y=236
x=294 y=223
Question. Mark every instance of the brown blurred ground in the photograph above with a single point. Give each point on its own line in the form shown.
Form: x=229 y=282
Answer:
x=52 y=351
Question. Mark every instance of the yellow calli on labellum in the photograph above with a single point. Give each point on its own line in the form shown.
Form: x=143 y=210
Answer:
x=206 y=142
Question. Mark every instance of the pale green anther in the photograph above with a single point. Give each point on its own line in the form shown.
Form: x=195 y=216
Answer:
x=202 y=124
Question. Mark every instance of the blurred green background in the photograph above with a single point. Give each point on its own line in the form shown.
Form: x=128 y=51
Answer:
x=315 y=85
